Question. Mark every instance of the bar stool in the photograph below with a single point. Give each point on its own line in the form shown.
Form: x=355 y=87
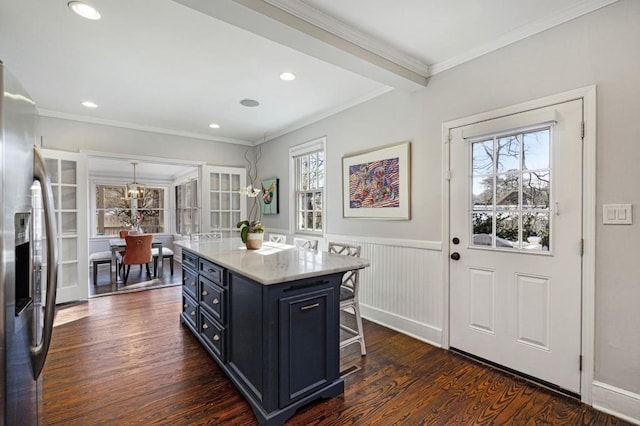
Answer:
x=305 y=243
x=349 y=296
x=278 y=238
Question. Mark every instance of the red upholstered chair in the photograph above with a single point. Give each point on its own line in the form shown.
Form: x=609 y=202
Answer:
x=138 y=252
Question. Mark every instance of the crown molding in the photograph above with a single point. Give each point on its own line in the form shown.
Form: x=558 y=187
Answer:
x=132 y=126
x=533 y=28
x=338 y=28
x=317 y=117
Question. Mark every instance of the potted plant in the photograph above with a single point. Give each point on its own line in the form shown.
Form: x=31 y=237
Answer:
x=251 y=230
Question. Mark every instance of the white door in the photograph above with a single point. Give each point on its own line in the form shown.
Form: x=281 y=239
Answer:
x=516 y=234
x=69 y=179
x=222 y=205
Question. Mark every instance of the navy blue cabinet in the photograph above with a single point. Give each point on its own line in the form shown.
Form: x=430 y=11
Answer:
x=278 y=343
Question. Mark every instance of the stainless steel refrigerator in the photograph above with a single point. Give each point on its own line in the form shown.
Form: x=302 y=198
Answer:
x=29 y=258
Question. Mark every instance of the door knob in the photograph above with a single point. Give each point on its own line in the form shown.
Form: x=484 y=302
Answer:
x=455 y=256
x=455 y=240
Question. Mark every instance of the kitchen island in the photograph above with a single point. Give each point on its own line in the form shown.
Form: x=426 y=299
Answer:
x=270 y=319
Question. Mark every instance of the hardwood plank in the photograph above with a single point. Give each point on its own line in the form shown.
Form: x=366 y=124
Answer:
x=126 y=359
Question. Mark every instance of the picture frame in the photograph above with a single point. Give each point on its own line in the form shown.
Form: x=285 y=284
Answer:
x=270 y=196
x=376 y=183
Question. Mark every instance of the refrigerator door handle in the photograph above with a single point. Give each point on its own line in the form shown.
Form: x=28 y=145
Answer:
x=40 y=349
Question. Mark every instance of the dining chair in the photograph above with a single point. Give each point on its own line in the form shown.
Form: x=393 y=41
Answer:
x=99 y=258
x=167 y=253
x=278 y=238
x=305 y=243
x=138 y=252
x=349 y=296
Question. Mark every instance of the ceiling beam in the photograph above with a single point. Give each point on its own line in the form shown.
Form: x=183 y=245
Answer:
x=280 y=26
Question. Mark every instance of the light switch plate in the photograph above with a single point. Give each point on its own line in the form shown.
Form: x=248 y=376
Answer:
x=617 y=214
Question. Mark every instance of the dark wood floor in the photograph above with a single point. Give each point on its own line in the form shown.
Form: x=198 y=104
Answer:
x=126 y=360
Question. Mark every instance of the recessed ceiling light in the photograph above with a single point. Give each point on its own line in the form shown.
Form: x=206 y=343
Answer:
x=287 y=76
x=214 y=126
x=90 y=104
x=249 y=102
x=84 y=10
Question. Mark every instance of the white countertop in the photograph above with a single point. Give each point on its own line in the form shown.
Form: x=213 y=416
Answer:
x=274 y=263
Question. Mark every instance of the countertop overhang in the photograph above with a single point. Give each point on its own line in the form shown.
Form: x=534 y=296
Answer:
x=274 y=263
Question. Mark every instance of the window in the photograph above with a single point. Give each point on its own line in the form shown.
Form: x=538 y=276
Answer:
x=187 y=212
x=309 y=175
x=511 y=181
x=113 y=212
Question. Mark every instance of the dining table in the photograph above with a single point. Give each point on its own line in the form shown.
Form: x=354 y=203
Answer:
x=117 y=244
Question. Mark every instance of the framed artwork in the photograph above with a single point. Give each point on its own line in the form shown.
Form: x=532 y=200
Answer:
x=375 y=183
x=270 y=198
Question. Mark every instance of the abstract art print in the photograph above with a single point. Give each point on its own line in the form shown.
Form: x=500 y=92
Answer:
x=269 y=196
x=376 y=183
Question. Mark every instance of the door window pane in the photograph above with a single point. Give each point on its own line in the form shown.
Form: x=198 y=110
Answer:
x=507 y=154
x=511 y=191
x=535 y=154
x=535 y=190
x=482 y=157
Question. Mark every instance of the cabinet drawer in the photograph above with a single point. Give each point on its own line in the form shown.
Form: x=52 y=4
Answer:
x=190 y=260
x=212 y=298
x=190 y=310
x=211 y=271
x=213 y=334
x=190 y=282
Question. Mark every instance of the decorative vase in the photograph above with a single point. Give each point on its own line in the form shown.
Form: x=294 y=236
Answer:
x=135 y=230
x=254 y=240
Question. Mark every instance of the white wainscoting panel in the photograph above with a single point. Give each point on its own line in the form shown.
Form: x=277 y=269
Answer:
x=402 y=289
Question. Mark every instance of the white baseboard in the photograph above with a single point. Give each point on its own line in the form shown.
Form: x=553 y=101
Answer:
x=617 y=402
x=423 y=332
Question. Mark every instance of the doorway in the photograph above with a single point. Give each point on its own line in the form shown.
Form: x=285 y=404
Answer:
x=519 y=291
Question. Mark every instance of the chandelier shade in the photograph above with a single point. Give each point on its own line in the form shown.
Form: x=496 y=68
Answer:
x=134 y=190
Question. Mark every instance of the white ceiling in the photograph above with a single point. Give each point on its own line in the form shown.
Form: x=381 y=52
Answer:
x=176 y=66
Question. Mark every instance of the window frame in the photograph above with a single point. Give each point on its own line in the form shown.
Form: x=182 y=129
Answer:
x=295 y=152
x=167 y=204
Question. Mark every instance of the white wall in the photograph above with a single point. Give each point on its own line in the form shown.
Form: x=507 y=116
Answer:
x=602 y=48
x=75 y=136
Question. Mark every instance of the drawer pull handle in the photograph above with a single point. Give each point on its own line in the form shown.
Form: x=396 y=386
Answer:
x=184 y=278
x=210 y=270
x=315 y=305
x=205 y=326
x=216 y=301
x=193 y=313
x=204 y=293
x=216 y=337
x=186 y=305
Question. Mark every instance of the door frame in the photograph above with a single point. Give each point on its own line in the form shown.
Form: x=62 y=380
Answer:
x=588 y=96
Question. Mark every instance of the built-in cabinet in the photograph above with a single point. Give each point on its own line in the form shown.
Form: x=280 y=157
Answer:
x=278 y=343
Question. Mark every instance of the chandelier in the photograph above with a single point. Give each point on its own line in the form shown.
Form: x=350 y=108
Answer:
x=134 y=190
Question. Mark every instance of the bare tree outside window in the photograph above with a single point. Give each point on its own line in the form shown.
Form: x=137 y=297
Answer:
x=511 y=181
x=114 y=213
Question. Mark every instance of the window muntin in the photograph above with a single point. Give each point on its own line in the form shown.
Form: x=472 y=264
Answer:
x=112 y=210
x=309 y=184
x=187 y=212
x=511 y=191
